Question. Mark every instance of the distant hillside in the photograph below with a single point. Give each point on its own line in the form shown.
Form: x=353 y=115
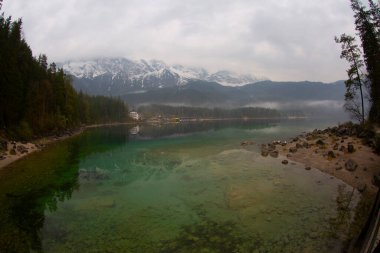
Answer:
x=197 y=93
x=154 y=82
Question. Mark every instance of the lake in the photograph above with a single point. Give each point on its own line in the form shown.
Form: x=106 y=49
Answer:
x=188 y=187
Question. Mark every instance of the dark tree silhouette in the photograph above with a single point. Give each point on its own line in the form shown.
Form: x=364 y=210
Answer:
x=356 y=78
x=367 y=24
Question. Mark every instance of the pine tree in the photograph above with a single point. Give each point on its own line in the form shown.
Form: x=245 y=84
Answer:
x=367 y=25
x=356 y=78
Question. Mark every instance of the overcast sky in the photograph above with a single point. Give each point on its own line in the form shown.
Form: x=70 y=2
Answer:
x=279 y=39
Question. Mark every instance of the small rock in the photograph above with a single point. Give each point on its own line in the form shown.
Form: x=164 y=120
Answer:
x=343 y=149
x=245 y=143
x=320 y=142
x=339 y=168
x=298 y=145
x=307 y=168
x=22 y=149
x=3 y=144
x=362 y=187
x=376 y=180
x=264 y=152
x=350 y=165
x=336 y=146
x=331 y=155
x=284 y=162
x=2 y=157
x=274 y=153
x=13 y=152
x=350 y=148
x=271 y=147
x=305 y=144
x=293 y=150
x=288 y=155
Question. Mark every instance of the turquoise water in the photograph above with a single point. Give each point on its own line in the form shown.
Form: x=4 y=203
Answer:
x=173 y=188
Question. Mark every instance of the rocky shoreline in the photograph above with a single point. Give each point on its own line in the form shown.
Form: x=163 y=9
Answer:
x=346 y=152
x=11 y=151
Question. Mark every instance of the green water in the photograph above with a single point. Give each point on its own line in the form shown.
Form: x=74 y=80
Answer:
x=173 y=188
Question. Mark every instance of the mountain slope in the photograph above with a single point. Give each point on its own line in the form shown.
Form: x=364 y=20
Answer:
x=118 y=76
x=202 y=93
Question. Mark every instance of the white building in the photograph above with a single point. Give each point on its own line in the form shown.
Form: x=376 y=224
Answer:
x=134 y=115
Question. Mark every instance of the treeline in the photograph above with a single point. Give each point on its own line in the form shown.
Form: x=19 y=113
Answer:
x=364 y=69
x=37 y=98
x=149 y=111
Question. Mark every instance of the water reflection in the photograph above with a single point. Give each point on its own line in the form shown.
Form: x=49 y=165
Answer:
x=36 y=184
x=184 y=128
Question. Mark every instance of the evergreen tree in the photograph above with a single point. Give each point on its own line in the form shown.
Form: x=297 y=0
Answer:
x=356 y=78
x=37 y=98
x=367 y=25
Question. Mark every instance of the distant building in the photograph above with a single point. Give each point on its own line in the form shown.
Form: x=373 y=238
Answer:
x=134 y=115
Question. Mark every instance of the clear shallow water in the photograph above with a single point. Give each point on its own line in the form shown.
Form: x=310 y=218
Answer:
x=174 y=188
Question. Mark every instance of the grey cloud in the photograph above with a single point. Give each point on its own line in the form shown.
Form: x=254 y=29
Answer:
x=283 y=40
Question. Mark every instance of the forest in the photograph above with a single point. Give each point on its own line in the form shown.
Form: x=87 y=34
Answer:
x=37 y=98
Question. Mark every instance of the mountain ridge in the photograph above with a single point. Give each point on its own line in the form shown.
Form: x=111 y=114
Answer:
x=117 y=76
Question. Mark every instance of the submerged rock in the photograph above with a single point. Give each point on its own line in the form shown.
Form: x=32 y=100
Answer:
x=245 y=143
x=285 y=162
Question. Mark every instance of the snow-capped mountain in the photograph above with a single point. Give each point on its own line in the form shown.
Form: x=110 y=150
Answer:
x=117 y=76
